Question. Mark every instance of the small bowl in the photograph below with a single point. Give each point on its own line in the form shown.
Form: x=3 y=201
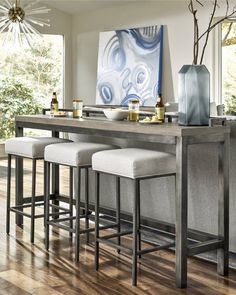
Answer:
x=116 y=114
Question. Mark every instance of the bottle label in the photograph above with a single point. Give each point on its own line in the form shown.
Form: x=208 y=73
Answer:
x=160 y=113
x=54 y=108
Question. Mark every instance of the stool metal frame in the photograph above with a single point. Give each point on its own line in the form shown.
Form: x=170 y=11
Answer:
x=32 y=202
x=136 y=250
x=59 y=221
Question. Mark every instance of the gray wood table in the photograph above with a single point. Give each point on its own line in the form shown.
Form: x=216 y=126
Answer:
x=182 y=138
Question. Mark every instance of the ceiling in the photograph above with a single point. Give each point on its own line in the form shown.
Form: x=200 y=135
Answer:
x=83 y=6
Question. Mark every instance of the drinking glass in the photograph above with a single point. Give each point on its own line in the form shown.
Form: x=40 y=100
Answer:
x=77 y=108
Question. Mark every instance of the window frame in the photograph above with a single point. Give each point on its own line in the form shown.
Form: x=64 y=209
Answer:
x=217 y=61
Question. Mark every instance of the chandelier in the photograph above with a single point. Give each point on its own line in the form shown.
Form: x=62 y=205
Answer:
x=18 y=22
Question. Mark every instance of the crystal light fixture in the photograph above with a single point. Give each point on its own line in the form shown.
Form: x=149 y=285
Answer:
x=18 y=21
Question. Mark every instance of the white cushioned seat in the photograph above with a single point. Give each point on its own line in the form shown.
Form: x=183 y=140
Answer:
x=30 y=147
x=75 y=153
x=134 y=162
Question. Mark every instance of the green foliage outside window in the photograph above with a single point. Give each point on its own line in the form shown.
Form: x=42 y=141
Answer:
x=229 y=66
x=28 y=77
x=230 y=105
x=15 y=99
x=40 y=67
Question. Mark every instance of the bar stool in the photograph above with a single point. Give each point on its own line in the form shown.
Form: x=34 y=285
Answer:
x=31 y=148
x=78 y=156
x=135 y=164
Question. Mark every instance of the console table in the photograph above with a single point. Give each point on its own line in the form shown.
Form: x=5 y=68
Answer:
x=179 y=136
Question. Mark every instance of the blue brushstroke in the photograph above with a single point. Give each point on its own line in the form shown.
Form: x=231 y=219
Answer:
x=118 y=58
x=159 y=78
x=106 y=92
x=148 y=42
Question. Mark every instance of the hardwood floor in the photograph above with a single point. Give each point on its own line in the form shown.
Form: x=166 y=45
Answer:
x=29 y=269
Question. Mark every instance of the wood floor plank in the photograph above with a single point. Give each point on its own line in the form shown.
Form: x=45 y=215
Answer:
x=27 y=284
x=29 y=269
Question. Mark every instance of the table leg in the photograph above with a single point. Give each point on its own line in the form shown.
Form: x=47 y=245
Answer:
x=181 y=212
x=19 y=179
x=223 y=207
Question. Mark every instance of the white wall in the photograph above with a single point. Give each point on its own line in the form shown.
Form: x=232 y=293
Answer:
x=61 y=24
x=174 y=15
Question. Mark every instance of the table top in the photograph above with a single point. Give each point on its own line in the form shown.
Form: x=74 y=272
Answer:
x=102 y=126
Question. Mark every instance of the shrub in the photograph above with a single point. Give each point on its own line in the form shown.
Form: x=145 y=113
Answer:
x=230 y=104
x=15 y=99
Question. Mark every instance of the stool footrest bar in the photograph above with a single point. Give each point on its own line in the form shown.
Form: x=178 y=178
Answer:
x=27 y=205
x=27 y=200
x=113 y=244
x=82 y=231
x=156 y=248
x=57 y=207
x=57 y=223
x=206 y=246
x=102 y=227
x=66 y=218
x=62 y=219
x=20 y=212
x=59 y=213
x=62 y=226
x=115 y=235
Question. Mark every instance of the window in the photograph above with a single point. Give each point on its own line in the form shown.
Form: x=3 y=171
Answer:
x=225 y=66
x=28 y=76
x=228 y=37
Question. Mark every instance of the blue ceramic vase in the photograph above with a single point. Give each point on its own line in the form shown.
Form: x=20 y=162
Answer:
x=194 y=95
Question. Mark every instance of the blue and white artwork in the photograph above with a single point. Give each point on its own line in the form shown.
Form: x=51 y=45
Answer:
x=129 y=66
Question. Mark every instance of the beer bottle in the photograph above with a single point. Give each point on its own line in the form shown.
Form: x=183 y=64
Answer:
x=160 y=108
x=54 y=104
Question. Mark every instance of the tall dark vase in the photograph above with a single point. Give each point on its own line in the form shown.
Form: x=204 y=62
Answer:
x=194 y=95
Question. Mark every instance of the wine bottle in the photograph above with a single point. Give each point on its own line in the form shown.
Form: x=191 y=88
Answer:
x=160 y=108
x=54 y=104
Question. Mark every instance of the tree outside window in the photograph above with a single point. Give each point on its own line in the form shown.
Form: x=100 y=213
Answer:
x=229 y=66
x=28 y=76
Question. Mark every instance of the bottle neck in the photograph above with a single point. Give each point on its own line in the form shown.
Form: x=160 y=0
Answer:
x=54 y=97
x=160 y=101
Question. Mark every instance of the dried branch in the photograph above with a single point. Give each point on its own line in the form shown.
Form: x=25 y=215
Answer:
x=199 y=3
x=208 y=30
x=210 y=26
x=196 y=31
x=218 y=22
x=227 y=7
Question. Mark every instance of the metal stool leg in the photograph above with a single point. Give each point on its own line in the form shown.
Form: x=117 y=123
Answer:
x=97 y=196
x=47 y=201
x=55 y=187
x=135 y=233
x=71 y=199
x=87 y=203
x=139 y=217
x=8 y=193
x=33 y=201
x=77 y=218
x=118 y=209
x=44 y=190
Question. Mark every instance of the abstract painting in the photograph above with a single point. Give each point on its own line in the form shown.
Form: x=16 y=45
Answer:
x=130 y=66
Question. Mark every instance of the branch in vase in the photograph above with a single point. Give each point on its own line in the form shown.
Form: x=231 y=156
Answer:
x=218 y=22
x=208 y=30
x=196 y=31
x=210 y=27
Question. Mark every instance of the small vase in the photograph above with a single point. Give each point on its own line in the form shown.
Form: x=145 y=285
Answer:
x=194 y=95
